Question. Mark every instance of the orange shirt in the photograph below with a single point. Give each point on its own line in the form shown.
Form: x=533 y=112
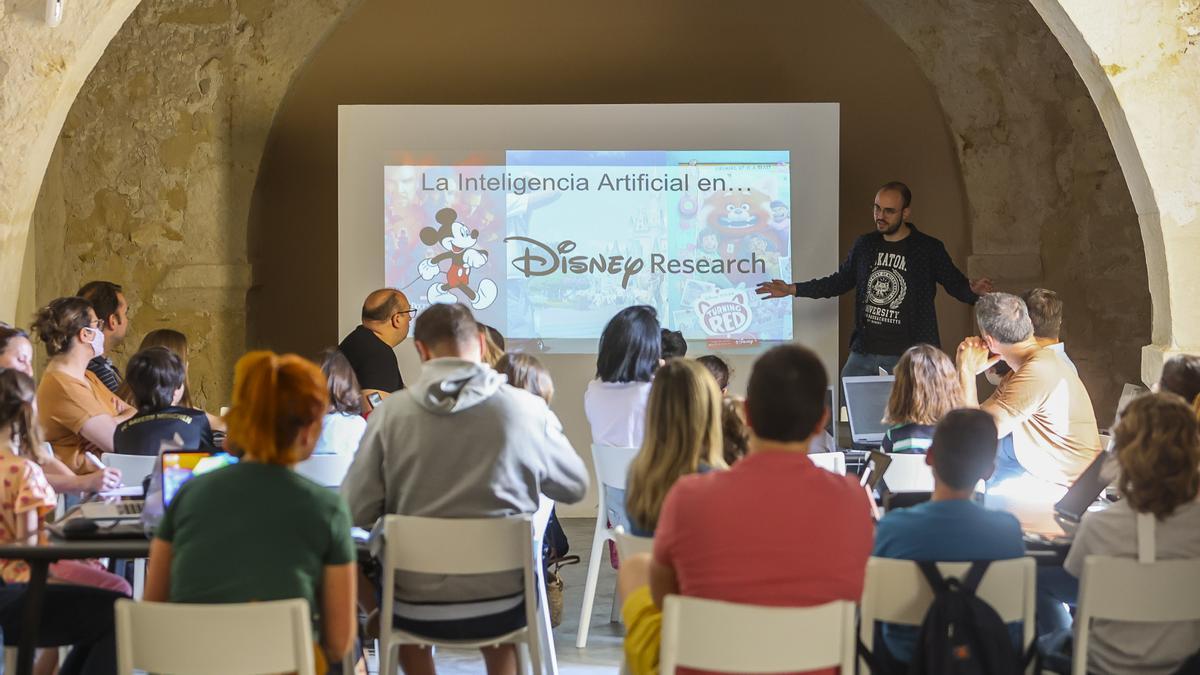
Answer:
x=65 y=403
x=23 y=488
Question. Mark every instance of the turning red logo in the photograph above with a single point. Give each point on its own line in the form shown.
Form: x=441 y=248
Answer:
x=724 y=315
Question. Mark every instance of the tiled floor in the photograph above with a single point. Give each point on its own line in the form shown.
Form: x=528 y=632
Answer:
x=603 y=652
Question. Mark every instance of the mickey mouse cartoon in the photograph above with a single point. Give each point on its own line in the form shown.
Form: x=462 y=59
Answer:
x=459 y=243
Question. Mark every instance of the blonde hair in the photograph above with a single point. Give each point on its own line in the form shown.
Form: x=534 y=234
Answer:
x=1158 y=447
x=683 y=430
x=17 y=396
x=274 y=399
x=926 y=387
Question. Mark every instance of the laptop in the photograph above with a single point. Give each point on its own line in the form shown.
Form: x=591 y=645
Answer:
x=178 y=467
x=1087 y=488
x=866 y=401
x=126 y=509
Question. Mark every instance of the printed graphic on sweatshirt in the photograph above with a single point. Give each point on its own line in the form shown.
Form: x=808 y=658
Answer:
x=886 y=289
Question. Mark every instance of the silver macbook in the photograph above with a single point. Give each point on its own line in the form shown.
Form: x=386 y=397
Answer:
x=866 y=400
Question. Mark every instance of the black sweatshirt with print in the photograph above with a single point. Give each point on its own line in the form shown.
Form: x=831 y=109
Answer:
x=895 y=283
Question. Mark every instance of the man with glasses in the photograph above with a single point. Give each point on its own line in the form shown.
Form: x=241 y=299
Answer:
x=112 y=313
x=386 y=315
x=894 y=271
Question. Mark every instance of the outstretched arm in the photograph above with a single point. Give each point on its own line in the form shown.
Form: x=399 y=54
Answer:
x=831 y=286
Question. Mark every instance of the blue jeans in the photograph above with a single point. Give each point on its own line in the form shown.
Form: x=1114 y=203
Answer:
x=868 y=364
x=1055 y=587
x=1007 y=465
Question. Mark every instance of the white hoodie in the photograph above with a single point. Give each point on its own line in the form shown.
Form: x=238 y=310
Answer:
x=460 y=443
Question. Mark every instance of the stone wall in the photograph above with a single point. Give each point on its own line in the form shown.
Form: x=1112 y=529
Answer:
x=152 y=177
x=150 y=182
x=1047 y=200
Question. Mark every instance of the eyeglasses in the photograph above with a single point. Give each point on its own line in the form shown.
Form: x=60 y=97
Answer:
x=410 y=312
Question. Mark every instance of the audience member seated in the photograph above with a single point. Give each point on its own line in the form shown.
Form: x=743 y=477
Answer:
x=1158 y=449
x=493 y=344
x=156 y=378
x=467 y=445
x=673 y=344
x=16 y=351
x=525 y=371
x=951 y=527
x=343 y=426
x=257 y=530
x=178 y=344
x=733 y=428
x=1045 y=313
x=926 y=388
x=1043 y=412
x=108 y=302
x=370 y=347
x=683 y=436
x=772 y=530
x=720 y=370
x=25 y=501
x=615 y=402
x=78 y=413
x=1181 y=376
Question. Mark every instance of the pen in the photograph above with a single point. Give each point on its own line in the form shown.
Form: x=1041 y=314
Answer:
x=95 y=460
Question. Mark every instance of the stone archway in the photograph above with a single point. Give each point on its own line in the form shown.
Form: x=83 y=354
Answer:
x=263 y=43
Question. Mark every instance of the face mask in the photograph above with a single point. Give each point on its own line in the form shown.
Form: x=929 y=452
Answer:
x=97 y=342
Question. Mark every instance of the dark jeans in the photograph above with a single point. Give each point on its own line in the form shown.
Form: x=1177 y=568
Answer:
x=72 y=615
x=868 y=364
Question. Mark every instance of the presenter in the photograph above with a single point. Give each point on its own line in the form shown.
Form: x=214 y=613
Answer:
x=894 y=271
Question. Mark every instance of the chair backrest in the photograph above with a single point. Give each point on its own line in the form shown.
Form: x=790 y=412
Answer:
x=830 y=461
x=612 y=464
x=133 y=467
x=1167 y=590
x=243 y=638
x=629 y=544
x=730 y=637
x=895 y=591
x=908 y=472
x=325 y=470
x=463 y=545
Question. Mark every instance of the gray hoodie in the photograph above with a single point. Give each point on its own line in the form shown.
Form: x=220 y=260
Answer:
x=460 y=443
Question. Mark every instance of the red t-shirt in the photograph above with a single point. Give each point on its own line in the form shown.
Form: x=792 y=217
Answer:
x=773 y=530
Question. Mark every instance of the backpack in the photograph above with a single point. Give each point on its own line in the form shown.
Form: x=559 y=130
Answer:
x=961 y=634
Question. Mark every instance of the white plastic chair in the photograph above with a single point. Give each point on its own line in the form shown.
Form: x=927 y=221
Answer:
x=730 y=637
x=232 y=639
x=133 y=467
x=612 y=469
x=908 y=472
x=464 y=546
x=325 y=470
x=1123 y=589
x=895 y=591
x=830 y=461
x=631 y=544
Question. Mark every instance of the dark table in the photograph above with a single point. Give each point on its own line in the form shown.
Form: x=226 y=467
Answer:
x=39 y=556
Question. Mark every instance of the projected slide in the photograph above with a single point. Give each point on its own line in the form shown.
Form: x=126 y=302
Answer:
x=548 y=245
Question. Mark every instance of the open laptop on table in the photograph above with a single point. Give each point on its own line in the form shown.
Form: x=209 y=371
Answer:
x=123 y=519
x=866 y=401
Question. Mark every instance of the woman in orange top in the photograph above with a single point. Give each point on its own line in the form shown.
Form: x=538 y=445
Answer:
x=78 y=413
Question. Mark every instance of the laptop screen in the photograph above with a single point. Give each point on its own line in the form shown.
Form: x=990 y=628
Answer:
x=866 y=400
x=180 y=467
x=1090 y=484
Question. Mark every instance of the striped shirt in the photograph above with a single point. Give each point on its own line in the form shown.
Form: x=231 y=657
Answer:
x=104 y=369
x=908 y=438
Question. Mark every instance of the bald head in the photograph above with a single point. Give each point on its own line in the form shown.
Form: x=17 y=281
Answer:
x=386 y=312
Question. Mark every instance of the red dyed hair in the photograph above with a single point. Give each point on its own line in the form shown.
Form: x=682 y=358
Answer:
x=274 y=398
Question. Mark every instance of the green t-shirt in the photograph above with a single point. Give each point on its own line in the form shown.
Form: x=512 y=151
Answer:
x=254 y=532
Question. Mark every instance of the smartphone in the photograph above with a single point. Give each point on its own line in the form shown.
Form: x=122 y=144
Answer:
x=375 y=399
